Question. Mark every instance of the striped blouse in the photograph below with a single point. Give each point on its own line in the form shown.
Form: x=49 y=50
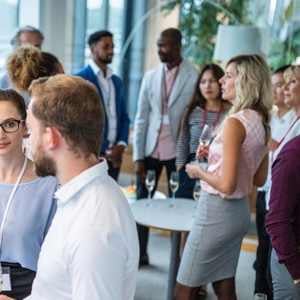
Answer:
x=188 y=138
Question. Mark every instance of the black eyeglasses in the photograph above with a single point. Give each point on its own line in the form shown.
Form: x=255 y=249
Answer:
x=11 y=125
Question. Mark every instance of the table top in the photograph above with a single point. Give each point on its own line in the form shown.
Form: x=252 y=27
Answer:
x=164 y=213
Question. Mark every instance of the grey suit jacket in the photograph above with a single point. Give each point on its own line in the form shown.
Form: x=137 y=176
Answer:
x=148 y=119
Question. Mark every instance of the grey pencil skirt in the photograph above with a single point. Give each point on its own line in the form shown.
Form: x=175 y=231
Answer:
x=213 y=247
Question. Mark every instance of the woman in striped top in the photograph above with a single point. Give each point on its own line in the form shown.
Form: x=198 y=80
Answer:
x=206 y=107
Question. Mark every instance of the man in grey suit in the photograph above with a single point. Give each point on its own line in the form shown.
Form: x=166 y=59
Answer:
x=164 y=95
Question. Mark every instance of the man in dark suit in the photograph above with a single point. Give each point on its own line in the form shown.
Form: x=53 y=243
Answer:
x=111 y=91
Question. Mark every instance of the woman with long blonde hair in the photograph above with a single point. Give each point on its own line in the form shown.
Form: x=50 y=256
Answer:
x=237 y=160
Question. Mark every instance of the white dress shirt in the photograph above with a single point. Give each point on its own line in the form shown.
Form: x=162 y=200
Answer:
x=109 y=97
x=91 y=250
x=279 y=128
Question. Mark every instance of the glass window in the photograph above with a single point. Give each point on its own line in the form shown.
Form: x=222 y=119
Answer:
x=9 y=24
x=106 y=14
x=116 y=25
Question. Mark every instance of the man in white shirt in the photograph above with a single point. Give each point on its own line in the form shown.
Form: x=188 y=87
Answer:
x=112 y=94
x=91 y=250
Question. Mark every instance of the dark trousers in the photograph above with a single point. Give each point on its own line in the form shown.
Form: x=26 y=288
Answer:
x=112 y=171
x=142 y=192
x=186 y=184
x=263 y=281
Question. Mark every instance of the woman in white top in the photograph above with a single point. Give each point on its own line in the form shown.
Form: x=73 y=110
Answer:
x=237 y=160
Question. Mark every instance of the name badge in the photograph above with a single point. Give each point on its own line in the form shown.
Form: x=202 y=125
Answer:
x=166 y=120
x=5 y=282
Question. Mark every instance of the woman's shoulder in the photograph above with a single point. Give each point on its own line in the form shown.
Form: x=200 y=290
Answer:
x=247 y=115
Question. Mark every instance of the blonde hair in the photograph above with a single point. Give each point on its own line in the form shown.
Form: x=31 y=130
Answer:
x=293 y=70
x=253 y=87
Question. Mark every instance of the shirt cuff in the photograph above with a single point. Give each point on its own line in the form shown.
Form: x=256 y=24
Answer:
x=122 y=143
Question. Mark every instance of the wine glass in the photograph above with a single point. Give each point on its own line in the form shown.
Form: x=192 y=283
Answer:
x=204 y=141
x=150 y=182
x=205 y=136
x=174 y=185
x=260 y=296
x=197 y=190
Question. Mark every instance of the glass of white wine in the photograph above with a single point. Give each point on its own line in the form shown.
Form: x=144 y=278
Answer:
x=260 y=296
x=197 y=190
x=150 y=183
x=205 y=136
x=174 y=185
x=204 y=141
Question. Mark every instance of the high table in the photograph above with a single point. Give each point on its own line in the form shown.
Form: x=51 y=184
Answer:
x=167 y=214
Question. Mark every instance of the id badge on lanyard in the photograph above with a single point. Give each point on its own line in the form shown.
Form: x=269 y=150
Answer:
x=5 y=279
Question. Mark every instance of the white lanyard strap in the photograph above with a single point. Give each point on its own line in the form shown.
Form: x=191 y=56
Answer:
x=11 y=196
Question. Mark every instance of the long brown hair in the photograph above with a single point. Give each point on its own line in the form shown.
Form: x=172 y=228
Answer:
x=198 y=99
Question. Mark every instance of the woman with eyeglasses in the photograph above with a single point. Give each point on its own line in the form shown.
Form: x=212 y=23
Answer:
x=26 y=202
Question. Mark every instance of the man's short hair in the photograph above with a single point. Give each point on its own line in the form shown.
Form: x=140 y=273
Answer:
x=15 y=41
x=281 y=69
x=72 y=105
x=97 y=36
x=173 y=34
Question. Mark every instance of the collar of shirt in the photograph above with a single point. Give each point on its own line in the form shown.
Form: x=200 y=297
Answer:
x=286 y=117
x=171 y=71
x=99 y=72
x=68 y=190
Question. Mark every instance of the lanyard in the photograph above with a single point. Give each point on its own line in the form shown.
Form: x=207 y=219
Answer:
x=290 y=128
x=166 y=94
x=11 y=196
x=282 y=139
x=215 y=123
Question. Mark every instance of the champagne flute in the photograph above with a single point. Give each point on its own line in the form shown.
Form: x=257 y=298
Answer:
x=260 y=296
x=204 y=141
x=205 y=136
x=174 y=185
x=150 y=182
x=197 y=190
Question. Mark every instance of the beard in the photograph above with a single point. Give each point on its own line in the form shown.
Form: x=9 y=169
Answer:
x=44 y=165
x=105 y=60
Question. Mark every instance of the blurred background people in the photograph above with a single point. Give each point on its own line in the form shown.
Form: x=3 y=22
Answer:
x=27 y=63
x=282 y=117
x=237 y=160
x=283 y=217
x=27 y=35
x=27 y=201
x=164 y=95
x=112 y=95
x=205 y=108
